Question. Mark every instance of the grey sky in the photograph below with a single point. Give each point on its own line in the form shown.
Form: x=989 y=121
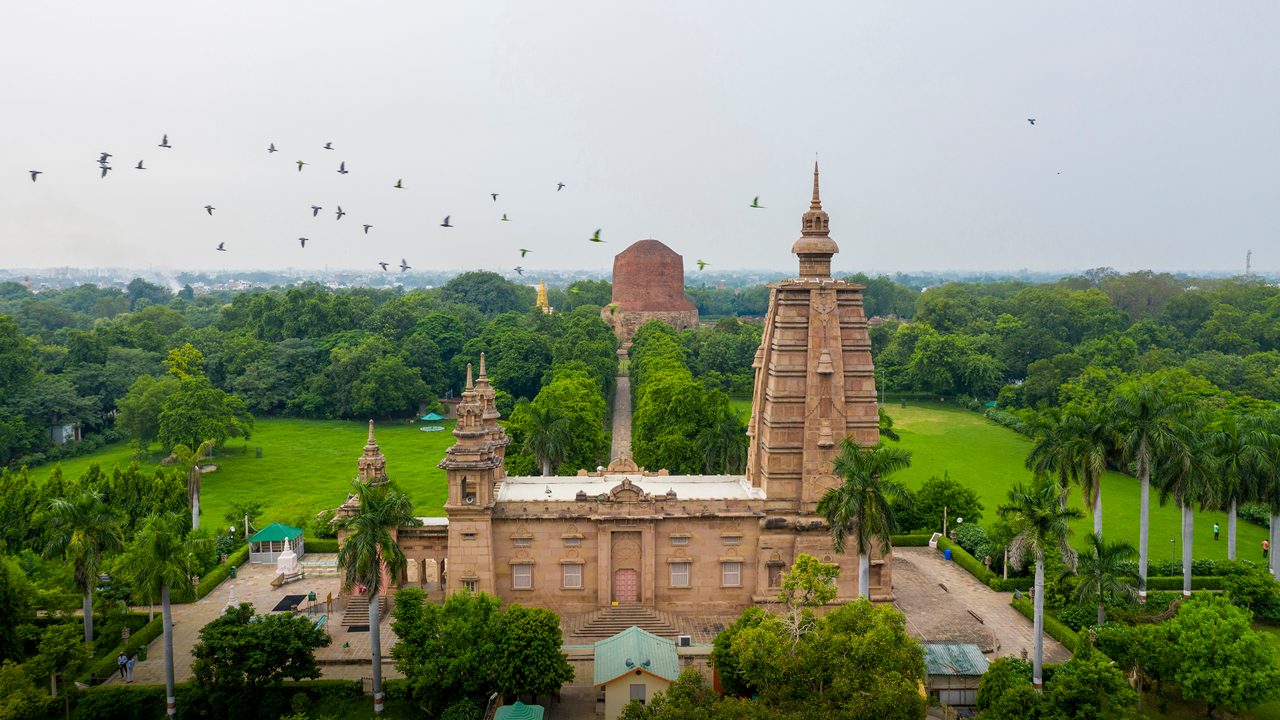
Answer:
x=663 y=119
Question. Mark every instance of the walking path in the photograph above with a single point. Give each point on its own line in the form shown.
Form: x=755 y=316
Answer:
x=941 y=600
x=621 y=418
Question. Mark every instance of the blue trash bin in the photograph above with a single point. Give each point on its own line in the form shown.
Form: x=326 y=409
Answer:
x=946 y=553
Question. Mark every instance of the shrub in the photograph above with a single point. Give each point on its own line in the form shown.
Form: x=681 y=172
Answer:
x=967 y=561
x=913 y=540
x=1009 y=420
x=126 y=702
x=1174 y=582
x=972 y=538
x=1000 y=584
x=319 y=545
x=222 y=571
x=104 y=667
x=1054 y=627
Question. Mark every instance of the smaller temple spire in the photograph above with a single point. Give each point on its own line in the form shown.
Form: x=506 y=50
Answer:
x=483 y=375
x=815 y=246
x=372 y=465
x=371 y=440
x=816 y=202
x=470 y=383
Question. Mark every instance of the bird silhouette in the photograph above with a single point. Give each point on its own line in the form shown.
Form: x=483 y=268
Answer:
x=1031 y=120
x=366 y=229
x=755 y=203
x=398 y=185
x=403 y=265
x=519 y=270
x=103 y=160
x=384 y=266
x=209 y=209
x=220 y=248
x=164 y=142
x=315 y=210
x=494 y=196
x=342 y=167
x=300 y=164
x=272 y=148
x=596 y=236
x=524 y=251
x=340 y=213
x=446 y=222
x=702 y=264
x=139 y=166
x=105 y=170
x=505 y=218
x=328 y=146
x=34 y=173
x=559 y=187
x=303 y=242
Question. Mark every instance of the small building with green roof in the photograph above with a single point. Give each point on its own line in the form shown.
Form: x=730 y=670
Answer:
x=633 y=665
x=267 y=544
x=518 y=711
x=954 y=671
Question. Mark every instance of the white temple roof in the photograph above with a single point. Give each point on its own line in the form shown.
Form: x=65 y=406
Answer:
x=686 y=487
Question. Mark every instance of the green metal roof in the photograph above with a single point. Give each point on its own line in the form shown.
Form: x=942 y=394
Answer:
x=954 y=659
x=518 y=711
x=634 y=649
x=275 y=532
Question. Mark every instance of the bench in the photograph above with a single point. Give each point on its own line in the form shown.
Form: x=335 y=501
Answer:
x=321 y=622
x=282 y=580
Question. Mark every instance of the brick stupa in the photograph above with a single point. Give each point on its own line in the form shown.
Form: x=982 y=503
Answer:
x=648 y=284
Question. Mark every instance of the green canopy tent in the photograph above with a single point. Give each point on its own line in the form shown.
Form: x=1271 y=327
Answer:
x=432 y=417
x=518 y=711
x=268 y=543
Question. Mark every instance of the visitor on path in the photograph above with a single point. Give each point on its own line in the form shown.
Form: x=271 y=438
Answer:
x=121 y=661
x=129 y=668
x=1215 y=532
x=1266 y=546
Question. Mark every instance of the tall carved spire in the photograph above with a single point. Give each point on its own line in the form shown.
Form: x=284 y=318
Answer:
x=483 y=376
x=470 y=383
x=372 y=465
x=815 y=246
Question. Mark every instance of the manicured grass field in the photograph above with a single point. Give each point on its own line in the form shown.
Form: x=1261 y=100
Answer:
x=306 y=466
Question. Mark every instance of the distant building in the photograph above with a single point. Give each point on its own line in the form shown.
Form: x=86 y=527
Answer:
x=633 y=665
x=63 y=434
x=954 y=670
x=648 y=284
x=542 y=303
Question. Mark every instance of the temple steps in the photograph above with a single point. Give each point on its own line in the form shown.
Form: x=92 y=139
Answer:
x=612 y=620
x=357 y=611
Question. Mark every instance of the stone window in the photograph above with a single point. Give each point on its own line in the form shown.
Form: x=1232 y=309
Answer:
x=680 y=574
x=775 y=574
x=680 y=540
x=469 y=536
x=469 y=585
x=731 y=574
x=732 y=539
x=523 y=541
x=521 y=577
x=571 y=575
x=572 y=542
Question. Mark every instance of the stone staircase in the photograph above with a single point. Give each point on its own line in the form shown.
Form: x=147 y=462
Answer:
x=357 y=612
x=612 y=620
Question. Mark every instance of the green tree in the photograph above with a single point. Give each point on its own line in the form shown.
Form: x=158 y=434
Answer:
x=19 y=502
x=445 y=651
x=725 y=660
x=1221 y=659
x=861 y=504
x=1104 y=574
x=1187 y=476
x=1002 y=675
x=240 y=654
x=198 y=412
x=189 y=460
x=1052 y=454
x=1089 y=442
x=159 y=560
x=138 y=412
x=488 y=292
x=547 y=435
x=184 y=362
x=937 y=493
x=528 y=659
x=81 y=530
x=370 y=552
x=19 y=698
x=1241 y=447
x=61 y=653
x=724 y=444
x=16 y=594
x=1040 y=524
x=809 y=584
x=1088 y=688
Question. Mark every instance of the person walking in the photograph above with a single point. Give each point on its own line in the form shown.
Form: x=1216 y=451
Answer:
x=121 y=661
x=1266 y=546
x=1215 y=532
x=129 y=668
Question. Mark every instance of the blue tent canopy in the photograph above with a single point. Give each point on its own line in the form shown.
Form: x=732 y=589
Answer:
x=432 y=417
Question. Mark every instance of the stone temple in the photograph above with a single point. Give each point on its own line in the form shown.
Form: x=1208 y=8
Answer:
x=679 y=545
x=648 y=284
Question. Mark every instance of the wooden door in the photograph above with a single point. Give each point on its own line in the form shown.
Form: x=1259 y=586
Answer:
x=626 y=585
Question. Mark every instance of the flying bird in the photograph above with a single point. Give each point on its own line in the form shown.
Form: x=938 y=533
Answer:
x=220 y=248
x=403 y=265
x=139 y=166
x=34 y=173
x=559 y=187
x=300 y=164
x=446 y=222
x=519 y=270
x=755 y=203
x=524 y=251
x=103 y=160
x=340 y=213
x=494 y=196
x=272 y=148
x=342 y=167
x=596 y=236
x=702 y=264
x=315 y=210
x=1031 y=120
x=328 y=146
x=398 y=185
x=164 y=142
x=105 y=170
x=384 y=266
x=209 y=209
x=366 y=229
x=505 y=218
x=303 y=242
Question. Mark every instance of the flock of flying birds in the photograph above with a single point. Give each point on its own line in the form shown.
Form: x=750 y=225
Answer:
x=104 y=165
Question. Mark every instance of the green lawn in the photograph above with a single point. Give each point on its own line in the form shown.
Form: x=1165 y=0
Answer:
x=306 y=466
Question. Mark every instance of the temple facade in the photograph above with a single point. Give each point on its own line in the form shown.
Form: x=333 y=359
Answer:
x=683 y=544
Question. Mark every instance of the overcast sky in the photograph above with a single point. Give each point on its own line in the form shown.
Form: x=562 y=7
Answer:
x=1156 y=140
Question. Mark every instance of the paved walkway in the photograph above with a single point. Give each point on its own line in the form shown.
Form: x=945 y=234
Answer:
x=941 y=599
x=621 y=418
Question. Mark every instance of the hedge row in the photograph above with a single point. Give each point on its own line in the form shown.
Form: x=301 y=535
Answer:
x=1174 y=582
x=918 y=540
x=221 y=572
x=1056 y=629
x=103 y=668
x=147 y=701
x=322 y=545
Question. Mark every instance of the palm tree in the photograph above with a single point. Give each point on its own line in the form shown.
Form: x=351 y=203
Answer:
x=1268 y=489
x=189 y=460
x=1240 y=446
x=1146 y=416
x=159 y=560
x=549 y=435
x=370 y=554
x=82 y=528
x=724 y=444
x=1187 y=474
x=1040 y=523
x=861 y=503
x=1103 y=571
x=1089 y=440
x=1051 y=455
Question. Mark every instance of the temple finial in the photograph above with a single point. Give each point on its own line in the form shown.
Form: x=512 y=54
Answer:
x=482 y=373
x=470 y=384
x=816 y=202
x=371 y=440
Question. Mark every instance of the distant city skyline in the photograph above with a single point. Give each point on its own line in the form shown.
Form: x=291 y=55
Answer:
x=1153 y=145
